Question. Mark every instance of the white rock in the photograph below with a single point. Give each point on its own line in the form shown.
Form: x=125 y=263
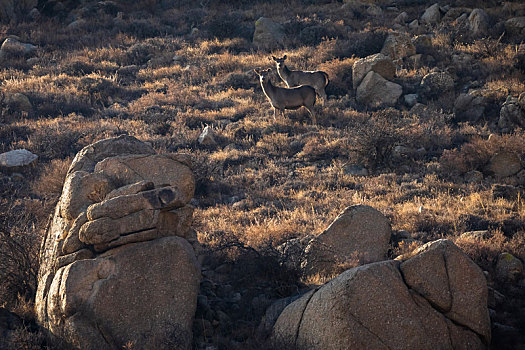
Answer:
x=16 y=158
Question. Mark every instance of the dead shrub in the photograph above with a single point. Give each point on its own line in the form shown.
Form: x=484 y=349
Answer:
x=51 y=180
x=476 y=154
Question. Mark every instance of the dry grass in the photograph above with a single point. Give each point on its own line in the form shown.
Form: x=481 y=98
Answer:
x=266 y=181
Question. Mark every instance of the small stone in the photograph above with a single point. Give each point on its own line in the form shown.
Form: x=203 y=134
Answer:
x=504 y=164
x=17 y=158
x=401 y=18
x=509 y=268
x=19 y=102
x=473 y=176
x=206 y=138
x=355 y=169
x=410 y=99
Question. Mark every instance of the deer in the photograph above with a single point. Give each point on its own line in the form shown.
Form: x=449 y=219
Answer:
x=284 y=98
x=316 y=79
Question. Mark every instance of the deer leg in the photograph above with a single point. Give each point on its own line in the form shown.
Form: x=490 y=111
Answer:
x=274 y=113
x=322 y=95
x=312 y=114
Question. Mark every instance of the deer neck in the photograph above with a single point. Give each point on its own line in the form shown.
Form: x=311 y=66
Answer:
x=284 y=72
x=268 y=88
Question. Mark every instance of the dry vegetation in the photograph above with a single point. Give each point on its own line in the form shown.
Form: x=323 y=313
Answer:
x=149 y=74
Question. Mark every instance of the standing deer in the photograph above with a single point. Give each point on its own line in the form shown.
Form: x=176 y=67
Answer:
x=283 y=98
x=316 y=79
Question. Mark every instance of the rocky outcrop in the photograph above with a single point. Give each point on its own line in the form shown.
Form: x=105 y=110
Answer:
x=375 y=91
x=117 y=264
x=436 y=299
x=360 y=234
x=378 y=63
x=268 y=34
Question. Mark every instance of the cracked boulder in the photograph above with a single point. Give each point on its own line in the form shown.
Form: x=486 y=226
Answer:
x=360 y=234
x=118 y=264
x=434 y=300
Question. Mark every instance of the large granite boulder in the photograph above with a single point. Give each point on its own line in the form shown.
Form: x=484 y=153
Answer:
x=360 y=234
x=268 y=34
x=378 y=63
x=375 y=91
x=117 y=262
x=434 y=300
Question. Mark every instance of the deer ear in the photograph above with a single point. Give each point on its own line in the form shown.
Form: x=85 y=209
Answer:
x=274 y=58
x=256 y=72
x=285 y=57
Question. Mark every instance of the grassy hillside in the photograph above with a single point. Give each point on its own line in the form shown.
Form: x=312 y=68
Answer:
x=163 y=70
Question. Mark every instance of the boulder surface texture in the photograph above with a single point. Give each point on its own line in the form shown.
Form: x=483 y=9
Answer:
x=117 y=265
x=435 y=300
x=359 y=235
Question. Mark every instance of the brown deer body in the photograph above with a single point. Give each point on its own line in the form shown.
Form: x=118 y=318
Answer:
x=316 y=79
x=282 y=98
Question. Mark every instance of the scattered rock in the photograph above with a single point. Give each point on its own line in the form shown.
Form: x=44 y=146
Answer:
x=476 y=235
x=511 y=115
x=17 y=158
x=375 y=91
x=378 y=63
x=19 y=102
x=410 y=99
x=398 y=46
x=509 y=268
x=268 y=34
x=414 y=25
x=12 y=48
x=432 y=15
x=478 y=22
x=374 y=10
x=78 y=24
x=515 y=27
x=504 y=164
x=469 y=107
x=437 y=299
x=423 y=43
x=117 y=262
x=206 y=138
x=360 y=234
x=401 y=18
x=508 y=192
x=473 y=176
x=355 y=170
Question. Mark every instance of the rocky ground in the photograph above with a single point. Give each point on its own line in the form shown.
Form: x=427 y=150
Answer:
x=424 y=123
